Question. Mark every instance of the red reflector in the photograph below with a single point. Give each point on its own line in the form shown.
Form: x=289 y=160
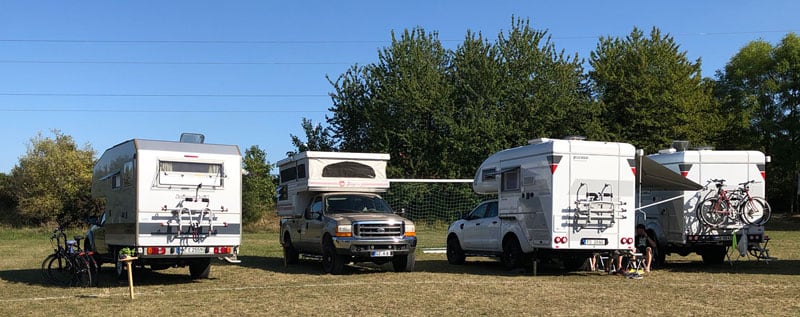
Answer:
x=684 y=173
x=623 y=241
x=764 y=175
x=557 y=240
x=553 y=168
x=633 y=169
x=564 y=240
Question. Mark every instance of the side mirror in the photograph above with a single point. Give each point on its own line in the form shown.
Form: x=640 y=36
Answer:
x=316 y=215
x=401 y=212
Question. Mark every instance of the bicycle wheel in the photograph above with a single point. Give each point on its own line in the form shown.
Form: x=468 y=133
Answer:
x=59 y=269
x=94 y=268
x=712 y=211
x=82 y=271
x=755 y=211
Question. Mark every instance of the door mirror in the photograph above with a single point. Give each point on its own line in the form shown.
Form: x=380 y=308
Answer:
x=316 y=215
x=401 y=212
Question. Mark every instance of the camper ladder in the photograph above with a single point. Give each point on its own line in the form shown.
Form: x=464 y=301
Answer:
x=595 y=209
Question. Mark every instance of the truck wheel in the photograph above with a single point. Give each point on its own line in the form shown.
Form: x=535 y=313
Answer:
x=200 y=268
x=713 y=255
x=332 y=263
x=455 y=255
x=290 y=254
x=404 y=263
x=512 y=253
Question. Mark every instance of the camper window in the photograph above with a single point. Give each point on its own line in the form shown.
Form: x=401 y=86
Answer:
x=190 y=167
x=288 y=174
x=301 y=171
x=282 y=193
x=488 y=174
x=348 y=169
x=116 y=181
x=511 y=180
x=127 y=174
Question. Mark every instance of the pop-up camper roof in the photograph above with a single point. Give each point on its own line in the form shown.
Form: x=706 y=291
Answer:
x=335 y=171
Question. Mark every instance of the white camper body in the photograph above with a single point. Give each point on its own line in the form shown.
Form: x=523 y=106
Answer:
x=172 y=203
x=671 y=214
x=305 y=174
x=558 y=198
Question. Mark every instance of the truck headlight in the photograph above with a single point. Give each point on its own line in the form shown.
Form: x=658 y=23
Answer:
x=410 y=230
x=344 y=231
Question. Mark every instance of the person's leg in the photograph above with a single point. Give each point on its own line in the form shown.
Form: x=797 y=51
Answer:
x=648 y=259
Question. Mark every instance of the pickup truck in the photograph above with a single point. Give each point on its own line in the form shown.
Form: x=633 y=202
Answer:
x=344 y=227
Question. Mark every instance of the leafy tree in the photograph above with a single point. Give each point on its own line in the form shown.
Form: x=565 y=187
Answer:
x=439 y=112
x=650 y=92
x=759 y=90
x=52 y=181
x=257 y=185
x=317 y=138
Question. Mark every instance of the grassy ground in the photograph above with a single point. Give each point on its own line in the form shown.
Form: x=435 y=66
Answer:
x=262 y=286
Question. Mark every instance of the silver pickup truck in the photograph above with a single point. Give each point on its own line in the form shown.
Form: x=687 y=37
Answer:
x=344 y=227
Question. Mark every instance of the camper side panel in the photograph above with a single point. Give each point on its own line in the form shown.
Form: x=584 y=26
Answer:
x=114 y=179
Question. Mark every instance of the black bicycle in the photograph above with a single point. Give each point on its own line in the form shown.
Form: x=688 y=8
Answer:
x=68 y=265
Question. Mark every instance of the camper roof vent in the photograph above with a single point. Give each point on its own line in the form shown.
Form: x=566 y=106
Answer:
x=704 y=148
x=575 y=137
x=680 y=146
x=192 y=138
x=538 y=141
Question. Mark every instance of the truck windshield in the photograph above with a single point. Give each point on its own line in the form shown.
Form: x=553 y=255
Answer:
x=337 y=204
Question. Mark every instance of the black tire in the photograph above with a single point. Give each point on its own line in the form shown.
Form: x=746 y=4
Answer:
x=94 y=269
x=711 y=211
x=290 y=254
x=512 y=256
x=455 y=255
x=332 y=263
x=713 y=255
x=57 y=270
x=200 y=268
x=404 y=263
x=82 y=271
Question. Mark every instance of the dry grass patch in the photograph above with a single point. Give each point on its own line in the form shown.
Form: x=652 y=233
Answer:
x=262 y=286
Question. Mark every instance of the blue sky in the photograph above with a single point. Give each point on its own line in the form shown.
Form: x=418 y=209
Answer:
x=246 y=72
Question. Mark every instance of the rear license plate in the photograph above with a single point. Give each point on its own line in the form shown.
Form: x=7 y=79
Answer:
x=383 y=253
x=193 y=250
x=594 y=241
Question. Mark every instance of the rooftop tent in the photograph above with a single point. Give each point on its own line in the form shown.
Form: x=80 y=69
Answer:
x=654 y=176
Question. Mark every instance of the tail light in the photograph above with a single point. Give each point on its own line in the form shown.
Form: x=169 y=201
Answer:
x=222 y=250
x=156 y=250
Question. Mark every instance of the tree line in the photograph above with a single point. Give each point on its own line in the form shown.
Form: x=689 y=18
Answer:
x=439 y=112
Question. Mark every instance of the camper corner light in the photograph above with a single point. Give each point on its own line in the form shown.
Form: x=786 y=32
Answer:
x=192 y=138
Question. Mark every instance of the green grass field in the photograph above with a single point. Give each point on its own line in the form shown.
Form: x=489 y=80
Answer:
x=261 y=285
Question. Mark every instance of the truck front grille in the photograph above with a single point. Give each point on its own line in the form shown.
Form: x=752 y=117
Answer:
x=378 y=230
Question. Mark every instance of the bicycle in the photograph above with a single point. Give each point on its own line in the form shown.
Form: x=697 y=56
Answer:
x=68 y=265
x=718 y=206
x=752 y=209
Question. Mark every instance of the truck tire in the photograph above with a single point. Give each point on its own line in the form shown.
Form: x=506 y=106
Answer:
x=455 y=255
x=200 y=268
x=404 y=263
x=512 y=253
x=290 y=254
x=332 y=263
x=713 y=255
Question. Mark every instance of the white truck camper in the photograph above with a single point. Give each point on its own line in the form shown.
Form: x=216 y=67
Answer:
x=169 y=203
x=330 y=209
x=556 y=199
x=670 y=211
